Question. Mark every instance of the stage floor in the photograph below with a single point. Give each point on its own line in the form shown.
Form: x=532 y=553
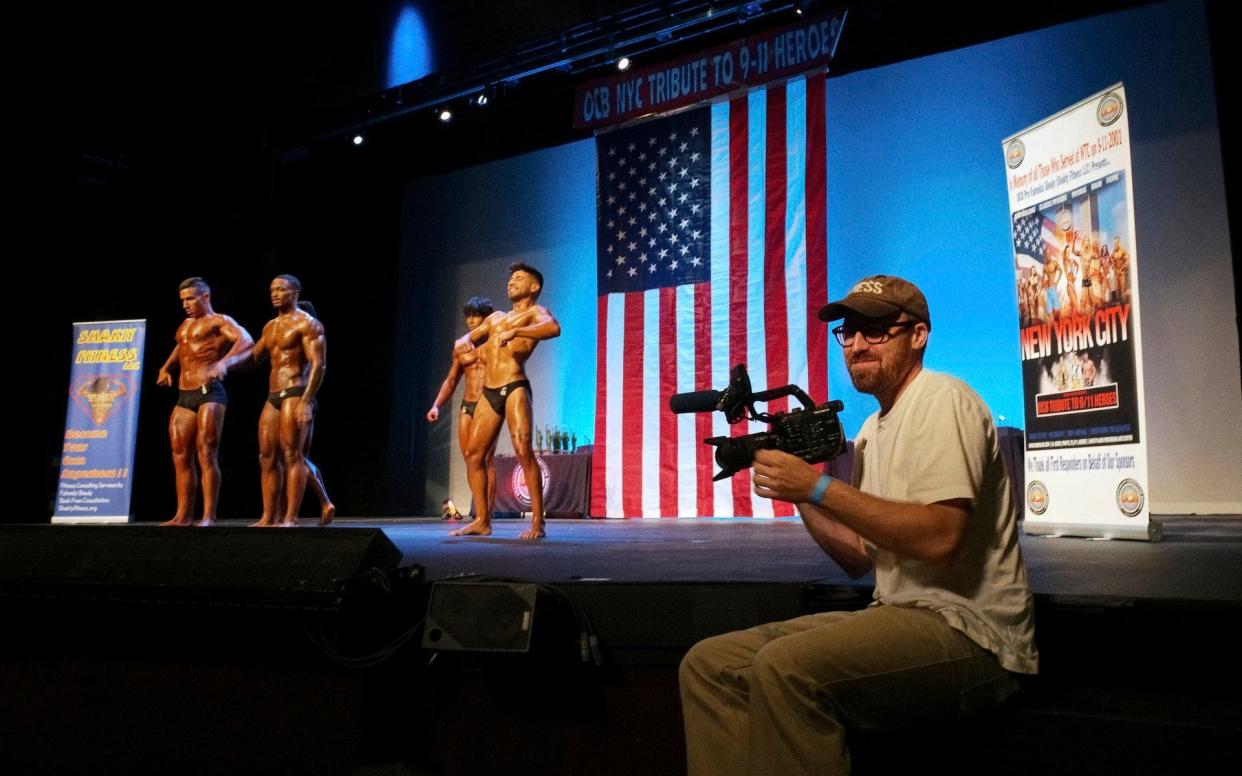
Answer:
x=1198 y=560
x=1139 y=664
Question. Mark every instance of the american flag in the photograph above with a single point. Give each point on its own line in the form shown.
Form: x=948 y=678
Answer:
x=712 y=246
x=1032 y=234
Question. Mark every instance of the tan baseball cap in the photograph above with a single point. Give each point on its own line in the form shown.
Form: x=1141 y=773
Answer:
x=878 y=296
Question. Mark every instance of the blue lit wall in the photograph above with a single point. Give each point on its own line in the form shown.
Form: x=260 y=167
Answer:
x=916 y=187
x=461 y=232
x=916 y=183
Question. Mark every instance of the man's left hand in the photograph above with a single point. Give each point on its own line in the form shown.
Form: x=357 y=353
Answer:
x=782 y=476
x=305 y=414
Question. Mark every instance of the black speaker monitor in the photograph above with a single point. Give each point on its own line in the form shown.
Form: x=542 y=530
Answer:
x=480 y=616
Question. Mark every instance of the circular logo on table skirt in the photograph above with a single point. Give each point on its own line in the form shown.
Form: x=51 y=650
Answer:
x=1130 y=497
x=517 y=483
x=1037 y=497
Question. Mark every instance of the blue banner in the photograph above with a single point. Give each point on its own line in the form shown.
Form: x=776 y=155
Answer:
x=101 y=424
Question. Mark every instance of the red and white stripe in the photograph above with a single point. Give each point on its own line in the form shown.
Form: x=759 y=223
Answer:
x=768 y=280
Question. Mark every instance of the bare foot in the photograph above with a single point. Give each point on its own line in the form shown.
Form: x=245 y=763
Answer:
x=327 y=513
x=206 y=522
x=177 y=521
x=287 y=523
x=475 y=528
x=264 y=522
x=534 y=532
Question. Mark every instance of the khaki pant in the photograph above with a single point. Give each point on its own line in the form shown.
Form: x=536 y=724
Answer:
x=777 y=699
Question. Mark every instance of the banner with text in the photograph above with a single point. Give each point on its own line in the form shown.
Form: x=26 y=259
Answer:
x=101 y=424
x=768 y=56
x=1075 y=260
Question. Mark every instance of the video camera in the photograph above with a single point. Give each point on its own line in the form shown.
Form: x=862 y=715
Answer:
x=812 y=433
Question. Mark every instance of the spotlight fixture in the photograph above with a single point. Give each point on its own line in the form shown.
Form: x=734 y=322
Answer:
x=623 y=64
x=358 y=139
x=446 y=115
x=480 y=99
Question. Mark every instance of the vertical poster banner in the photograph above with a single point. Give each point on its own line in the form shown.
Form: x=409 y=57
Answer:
x=101 y=424
x=1075 y=259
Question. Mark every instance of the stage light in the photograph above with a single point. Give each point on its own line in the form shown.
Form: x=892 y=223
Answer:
x=358 y=139
x=623 y=64
x=446 y=115
x=480 y=99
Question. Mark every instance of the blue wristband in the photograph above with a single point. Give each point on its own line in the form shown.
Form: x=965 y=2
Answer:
x=821 y=487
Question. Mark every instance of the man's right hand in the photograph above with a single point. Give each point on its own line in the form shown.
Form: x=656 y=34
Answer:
x=164 y=379
x=779 y=475
x=433 y=414
x=464 y=345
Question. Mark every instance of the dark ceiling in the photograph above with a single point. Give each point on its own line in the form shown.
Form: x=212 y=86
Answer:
x=231 y=82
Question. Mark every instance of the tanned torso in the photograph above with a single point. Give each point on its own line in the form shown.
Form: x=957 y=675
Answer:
x=200 y=344
x=472 y=371
x=504 y=358
x=284 y=336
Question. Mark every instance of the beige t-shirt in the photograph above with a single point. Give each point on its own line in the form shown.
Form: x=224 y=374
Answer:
x=937 y=443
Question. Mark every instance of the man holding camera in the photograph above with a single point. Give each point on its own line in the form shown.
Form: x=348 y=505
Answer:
x=930 y=511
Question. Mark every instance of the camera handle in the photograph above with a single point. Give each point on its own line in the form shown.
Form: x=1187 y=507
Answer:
x=776 y=393
x=737 y=399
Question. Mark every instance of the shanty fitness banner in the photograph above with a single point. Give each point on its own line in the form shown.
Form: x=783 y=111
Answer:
x=101 y=423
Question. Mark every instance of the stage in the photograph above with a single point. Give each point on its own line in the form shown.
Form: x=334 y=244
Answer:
x=1198 y=559
x=1140 y=666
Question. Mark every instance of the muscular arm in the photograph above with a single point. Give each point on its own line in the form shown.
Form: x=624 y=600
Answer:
x=315 y=346
x=446 y=390
x=542 y=327
x=476 y=335
x=928 y=532
x=258 y=353
x=243 y=344
x=164 y=377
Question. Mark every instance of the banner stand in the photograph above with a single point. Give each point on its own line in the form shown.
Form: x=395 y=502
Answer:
x=1075 y=264
x=101 y=423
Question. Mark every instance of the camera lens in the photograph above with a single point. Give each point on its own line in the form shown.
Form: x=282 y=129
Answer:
x=737 y=453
